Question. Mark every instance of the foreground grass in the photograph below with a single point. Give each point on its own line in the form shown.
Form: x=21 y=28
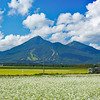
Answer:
x=38 y=71
x=67 y=87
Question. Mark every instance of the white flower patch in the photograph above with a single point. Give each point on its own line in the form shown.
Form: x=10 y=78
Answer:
x=70 y=87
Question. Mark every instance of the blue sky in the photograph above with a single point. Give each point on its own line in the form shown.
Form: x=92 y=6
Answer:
x=54 y=20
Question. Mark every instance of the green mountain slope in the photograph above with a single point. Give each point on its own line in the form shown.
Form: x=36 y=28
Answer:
x=36 y=48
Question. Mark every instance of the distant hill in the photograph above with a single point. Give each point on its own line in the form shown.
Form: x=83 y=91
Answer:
x=36 y=48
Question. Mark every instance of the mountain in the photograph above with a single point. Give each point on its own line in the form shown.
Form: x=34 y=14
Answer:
x=36 y=48
x=82 y=47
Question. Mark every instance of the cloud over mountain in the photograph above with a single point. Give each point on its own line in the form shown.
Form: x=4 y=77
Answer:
x=67 y=28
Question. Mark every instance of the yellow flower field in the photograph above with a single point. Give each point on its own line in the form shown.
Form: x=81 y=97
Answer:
x=37 y=71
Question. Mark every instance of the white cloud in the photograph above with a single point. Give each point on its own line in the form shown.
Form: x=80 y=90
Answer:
x=19 y=6
x=37 y=21
x=11 y=41
x=64 y=19
x=93 y=9
x=59 y=37
x=66 y=27
x=1 y=35
x=59 y=28
x=1 y=12
x=95 y=46
x=44 y=32
x=39 y=24
x=1 y=16
x=67 y=18
x=37 y=10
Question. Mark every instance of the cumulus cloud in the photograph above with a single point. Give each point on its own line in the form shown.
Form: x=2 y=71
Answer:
x=67 y=18
x=11 y=41
x=87 y=30
x=19 y=6
x=93 y=9
x=39 y=24
x=59 y=37
x=37 y=21
x=67 y=27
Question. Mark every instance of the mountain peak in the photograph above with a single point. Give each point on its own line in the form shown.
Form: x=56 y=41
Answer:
x=38 y=37
x=75 y=43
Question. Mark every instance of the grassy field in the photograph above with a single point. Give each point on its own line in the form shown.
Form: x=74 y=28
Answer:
x=48 y=87
x=31 y=71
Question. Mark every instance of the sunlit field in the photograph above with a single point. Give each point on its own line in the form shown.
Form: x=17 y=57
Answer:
x=46 y=87
x=38 y=71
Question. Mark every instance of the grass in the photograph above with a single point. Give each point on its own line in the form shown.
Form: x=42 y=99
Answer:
x=40 y=67
x=38 y=71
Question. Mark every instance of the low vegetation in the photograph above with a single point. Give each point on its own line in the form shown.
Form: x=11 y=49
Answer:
x=39 y=71
x=60 y=87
